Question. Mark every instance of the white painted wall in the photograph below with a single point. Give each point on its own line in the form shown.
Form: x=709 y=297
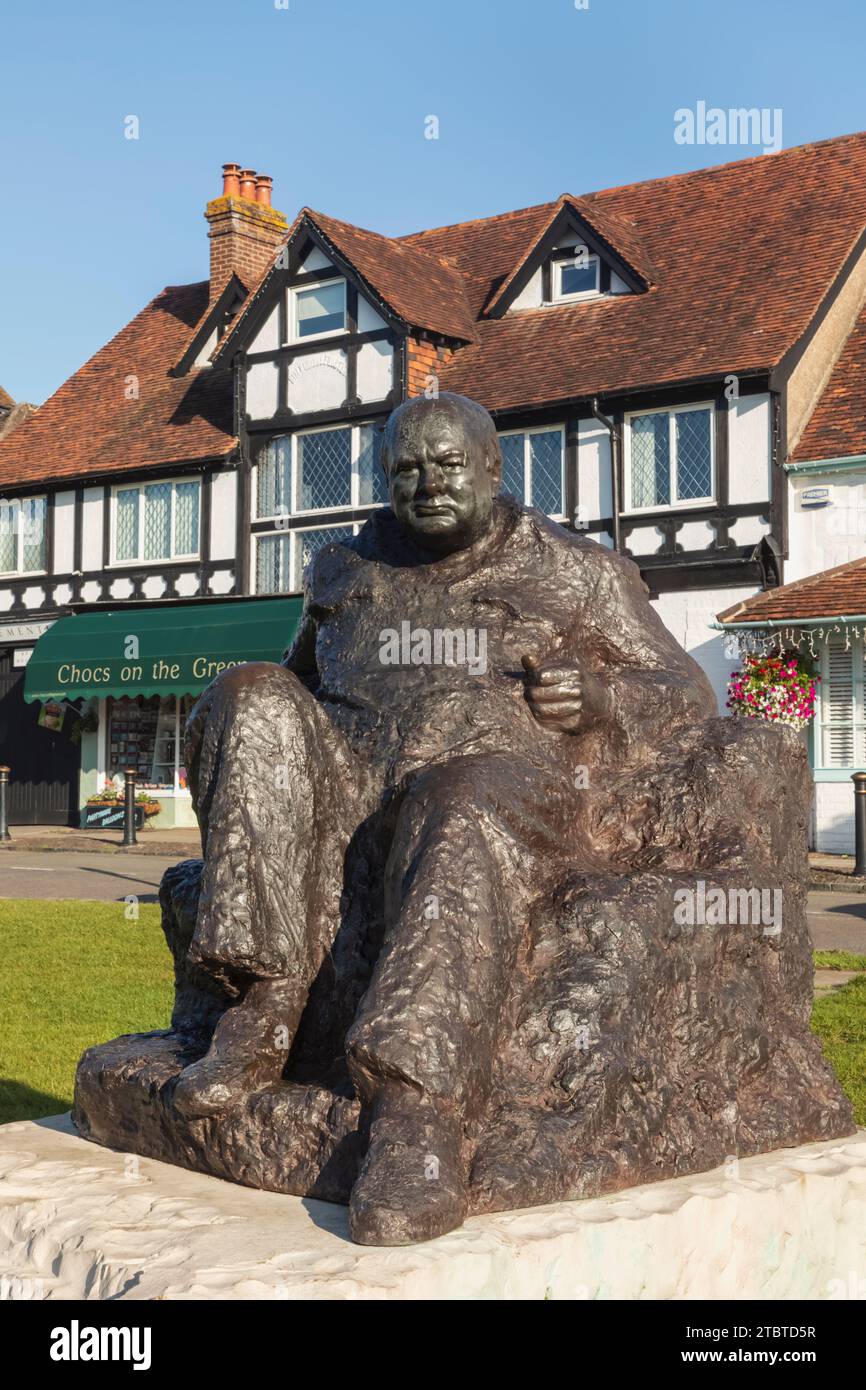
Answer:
x=368 y=320
x=530 y=296
x=749 y=449
x=593 y=471
x=689 y=615
x=223 y=515
x=833 y=817
x=317 y=381
x=374 y=371
x=822 y=537
x=91 y=532
x=64 y=533
x=262 y=389
x=315 y=260
x=268 y=336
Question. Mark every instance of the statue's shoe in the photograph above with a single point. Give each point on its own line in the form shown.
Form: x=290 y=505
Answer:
x=213 y=1085
x=411 y=1186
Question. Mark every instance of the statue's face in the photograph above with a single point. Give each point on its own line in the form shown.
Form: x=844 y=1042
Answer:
x=441 y=477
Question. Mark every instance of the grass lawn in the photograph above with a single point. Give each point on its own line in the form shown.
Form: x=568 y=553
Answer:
x=74 y=973
x=77 y=973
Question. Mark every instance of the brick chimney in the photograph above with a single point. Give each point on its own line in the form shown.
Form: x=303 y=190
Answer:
x=245 y=231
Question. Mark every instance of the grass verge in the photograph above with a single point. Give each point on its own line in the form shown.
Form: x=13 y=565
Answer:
x=74 y=974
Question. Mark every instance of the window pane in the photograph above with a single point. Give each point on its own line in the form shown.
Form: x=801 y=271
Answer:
x=694 y=468
x=324 y=469
x=321 y=310
x=372 y=486
x=186 y=519
x=512 y=465
x=309 y=543
x=272 y=565
x=33 y=528
x=545 y=452
x=650 y=461
x=157 y=521
x=578 y=279
x=127 y=524
x=274 y=478
x=9 y=522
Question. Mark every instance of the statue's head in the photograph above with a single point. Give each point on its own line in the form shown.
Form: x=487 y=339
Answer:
x=442 y=460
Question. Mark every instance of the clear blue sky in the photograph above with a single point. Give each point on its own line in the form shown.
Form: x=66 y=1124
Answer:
x=533 y=98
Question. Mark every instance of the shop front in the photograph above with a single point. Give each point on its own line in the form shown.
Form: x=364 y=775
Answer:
x=132 y=674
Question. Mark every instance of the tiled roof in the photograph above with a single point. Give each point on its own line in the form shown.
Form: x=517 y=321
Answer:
x=837 y=426
x=89 y=427
x=6 y=401
x=744 y=254
x=619 y=236
x=738 y=258
x=424 y=290
x=835 y=593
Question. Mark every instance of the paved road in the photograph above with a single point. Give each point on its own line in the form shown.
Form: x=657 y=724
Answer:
x=59 y=874
x=837 y=921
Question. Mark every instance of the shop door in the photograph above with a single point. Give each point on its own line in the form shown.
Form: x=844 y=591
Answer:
x=45 y=765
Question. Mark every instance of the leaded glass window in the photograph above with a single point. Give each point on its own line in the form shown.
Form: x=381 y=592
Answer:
x=532 y=463
x=157 y=521
x=272 y=564
x=324 y=470
x=22 y=536
x=309 y=543
x=671 y=457
x=372 y=484
x=274 y=478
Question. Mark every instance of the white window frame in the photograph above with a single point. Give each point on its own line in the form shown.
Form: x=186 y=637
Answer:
x=292 y=316
x=171 y=559
x=104 y=779
x=354 y=503
x=674 y=505
x=556 y=266
x=527 y=463
x=293 y=546
x=18 y=503
x=857 y=722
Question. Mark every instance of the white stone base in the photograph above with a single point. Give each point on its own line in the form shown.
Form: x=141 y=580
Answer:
x=78 y=1221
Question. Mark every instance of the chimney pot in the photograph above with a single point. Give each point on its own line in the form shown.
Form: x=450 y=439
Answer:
x=264 y=184
x=248 y=184
x=231 y=183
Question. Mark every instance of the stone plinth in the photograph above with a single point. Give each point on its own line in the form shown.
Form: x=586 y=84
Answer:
x=784 y=1225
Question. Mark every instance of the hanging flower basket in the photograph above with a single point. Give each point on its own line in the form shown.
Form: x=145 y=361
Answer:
x=774 y=688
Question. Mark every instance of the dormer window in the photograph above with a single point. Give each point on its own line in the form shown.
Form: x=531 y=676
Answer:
x=319 y=310
x=574 y=275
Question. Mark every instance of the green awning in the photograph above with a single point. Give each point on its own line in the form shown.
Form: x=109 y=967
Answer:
x=161 y=650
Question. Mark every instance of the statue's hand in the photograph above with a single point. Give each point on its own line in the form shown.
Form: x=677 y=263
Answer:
x=564 y=699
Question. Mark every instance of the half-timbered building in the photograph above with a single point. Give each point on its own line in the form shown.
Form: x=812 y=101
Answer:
x=652 y=354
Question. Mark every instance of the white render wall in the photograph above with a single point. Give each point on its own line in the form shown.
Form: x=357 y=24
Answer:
x=688 y=616
x=821 y=538
x=833 y=817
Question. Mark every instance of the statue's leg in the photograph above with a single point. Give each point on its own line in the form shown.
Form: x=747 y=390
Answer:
x=469 y=840
x=273 y=786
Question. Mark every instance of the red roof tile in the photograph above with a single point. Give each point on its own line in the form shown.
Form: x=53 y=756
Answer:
x=836 y=593
x=837 y=426
x=89 y=427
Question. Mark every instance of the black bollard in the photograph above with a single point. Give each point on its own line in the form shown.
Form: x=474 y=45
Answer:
x=129 y=807
x=859 y=780
x=4 y=816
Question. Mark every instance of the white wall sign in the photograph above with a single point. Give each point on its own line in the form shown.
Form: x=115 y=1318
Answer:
x=21 y=656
